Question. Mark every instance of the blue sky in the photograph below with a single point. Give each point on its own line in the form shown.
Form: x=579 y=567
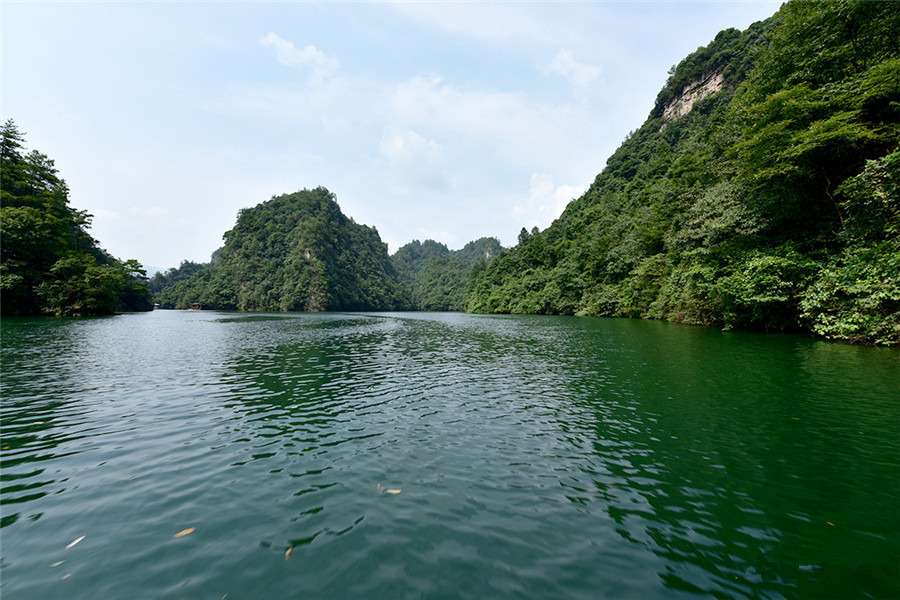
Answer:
x=441 y=120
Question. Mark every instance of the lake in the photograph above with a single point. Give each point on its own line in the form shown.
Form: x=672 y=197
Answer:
x=188 y=454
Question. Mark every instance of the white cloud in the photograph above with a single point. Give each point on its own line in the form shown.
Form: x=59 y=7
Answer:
x=150 y=211
x=546 y=200
x=408 y=147
x=288 y=54
x=104 y=214
x=413 y=159
x=494 y=22
x=502 y=124
x=580 y=74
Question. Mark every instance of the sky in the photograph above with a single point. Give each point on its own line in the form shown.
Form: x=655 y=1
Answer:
x=448 y=121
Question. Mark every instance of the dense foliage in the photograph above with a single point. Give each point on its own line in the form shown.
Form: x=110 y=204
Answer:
x=299 y=252
x=169 y=278
x=49 y=264
x=434 y=277
x=295 y=252
x=773 y=204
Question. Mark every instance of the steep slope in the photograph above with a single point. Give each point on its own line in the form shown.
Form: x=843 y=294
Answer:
x=761 y=192
x=294 y=252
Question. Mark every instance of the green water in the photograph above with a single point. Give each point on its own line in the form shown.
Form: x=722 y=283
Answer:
x=535 y=457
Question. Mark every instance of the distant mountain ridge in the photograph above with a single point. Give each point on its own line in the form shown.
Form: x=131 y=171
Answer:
x=295 y=252
x=435 y=277
x=299 y=252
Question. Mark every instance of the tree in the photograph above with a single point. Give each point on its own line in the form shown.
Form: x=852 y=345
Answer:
x=49 y=264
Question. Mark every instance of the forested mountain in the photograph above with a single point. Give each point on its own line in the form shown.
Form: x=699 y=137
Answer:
x=294 y=252
x=299 y=252
x=434 y=277
x=762 y=192
x=49 y=264
x=170 y=277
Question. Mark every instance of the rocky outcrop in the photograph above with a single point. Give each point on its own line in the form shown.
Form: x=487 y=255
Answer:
x=684 y=102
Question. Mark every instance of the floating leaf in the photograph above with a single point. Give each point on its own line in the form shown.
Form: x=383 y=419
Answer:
x=74 y=542
x=288 y=552
x=185 y=532
x=393 y=491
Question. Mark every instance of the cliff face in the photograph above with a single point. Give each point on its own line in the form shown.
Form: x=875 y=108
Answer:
x=691 y=93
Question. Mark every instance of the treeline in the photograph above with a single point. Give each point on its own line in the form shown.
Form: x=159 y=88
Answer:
x=773 y=204
x=299 y=252
x=49 y=264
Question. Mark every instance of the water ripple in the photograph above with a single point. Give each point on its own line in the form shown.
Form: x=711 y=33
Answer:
x=441 y=455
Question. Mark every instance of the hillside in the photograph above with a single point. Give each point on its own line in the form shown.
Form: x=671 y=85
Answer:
x=299 y=252
x=762 y=192
x=295 y=252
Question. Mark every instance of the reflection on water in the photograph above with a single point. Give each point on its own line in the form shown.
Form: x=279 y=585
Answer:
x=546 y=457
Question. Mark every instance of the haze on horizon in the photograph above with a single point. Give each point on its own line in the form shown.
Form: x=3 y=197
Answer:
x=448 y=121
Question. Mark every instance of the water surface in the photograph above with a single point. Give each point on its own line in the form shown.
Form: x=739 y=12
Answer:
x=535 y=457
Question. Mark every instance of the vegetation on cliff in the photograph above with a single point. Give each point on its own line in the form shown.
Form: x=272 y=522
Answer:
x=299 y=252
x=295 y=252
x=49 y=264
x=773 y=204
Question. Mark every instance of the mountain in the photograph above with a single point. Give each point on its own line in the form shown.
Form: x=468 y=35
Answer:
x=762 y=192
x=49 y=264
x=299 y=252
x=294 y=252
x=434 y=277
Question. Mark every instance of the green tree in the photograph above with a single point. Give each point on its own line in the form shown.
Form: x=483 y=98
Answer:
x=293 y=252
x=48 y=262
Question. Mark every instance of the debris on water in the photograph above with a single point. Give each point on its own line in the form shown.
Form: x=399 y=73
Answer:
x=830 y=523
x=185 y=532
x=288 y=552
x=66 y=576
x=74 y=542
x=57 y=563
